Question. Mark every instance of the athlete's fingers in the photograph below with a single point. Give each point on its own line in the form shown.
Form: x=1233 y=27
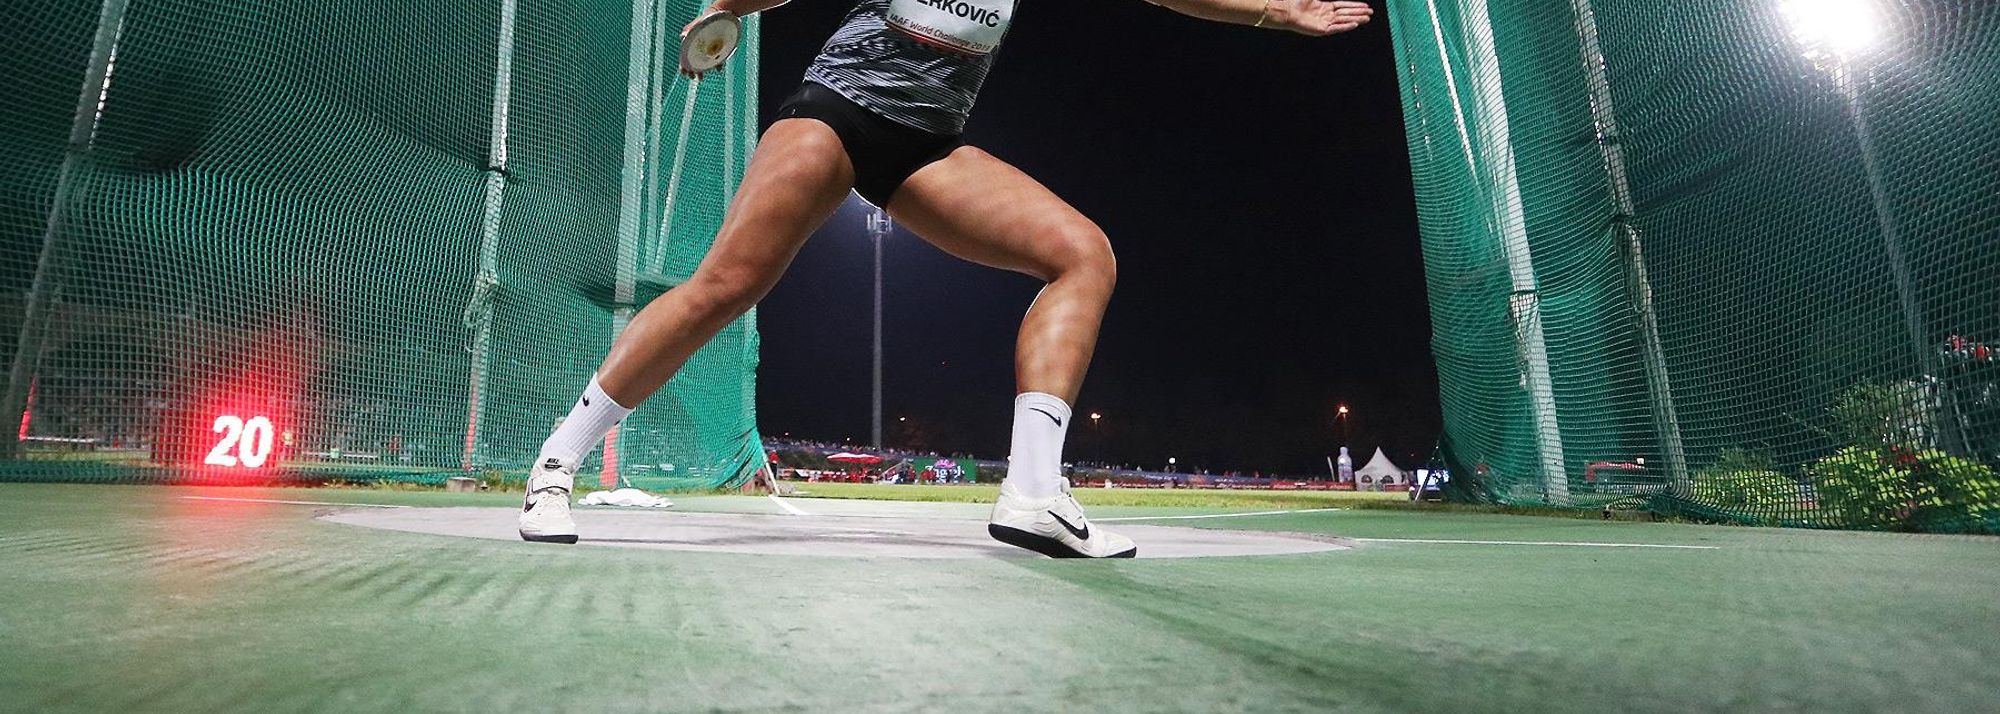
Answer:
x=1322 y=18
x=1346 y=19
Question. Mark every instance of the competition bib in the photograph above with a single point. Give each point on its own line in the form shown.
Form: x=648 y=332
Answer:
x=972 y=27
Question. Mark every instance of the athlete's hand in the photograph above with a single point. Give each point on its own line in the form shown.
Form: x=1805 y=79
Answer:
x=739 y=8
x=721 y=6
x=718 y=6
x=1317 y=17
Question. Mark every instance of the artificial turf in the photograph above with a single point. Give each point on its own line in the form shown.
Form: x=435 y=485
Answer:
x=136 y=598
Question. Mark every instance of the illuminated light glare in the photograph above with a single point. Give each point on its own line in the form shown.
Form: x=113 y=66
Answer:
x=1840 y=29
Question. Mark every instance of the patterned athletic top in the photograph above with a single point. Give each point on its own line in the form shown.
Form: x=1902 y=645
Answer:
x=915 y=62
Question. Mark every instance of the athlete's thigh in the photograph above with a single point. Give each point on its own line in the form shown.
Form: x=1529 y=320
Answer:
x=977 y=207
x=796 y=179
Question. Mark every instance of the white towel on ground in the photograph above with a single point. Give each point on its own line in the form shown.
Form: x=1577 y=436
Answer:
x=625 y=497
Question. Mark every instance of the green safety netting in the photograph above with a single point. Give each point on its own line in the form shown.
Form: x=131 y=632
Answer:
x=1735 y=260
x=259 y=240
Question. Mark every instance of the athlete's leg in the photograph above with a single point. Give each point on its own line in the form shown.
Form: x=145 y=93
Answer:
x=796 y=179
x=799 y=174
x=982 y=209
x=979 y=208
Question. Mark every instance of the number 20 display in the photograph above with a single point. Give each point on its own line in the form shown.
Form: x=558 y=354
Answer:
x=244 y=442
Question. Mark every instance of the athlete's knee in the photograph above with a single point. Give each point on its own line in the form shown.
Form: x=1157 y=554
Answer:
x=1084 y=252
x=728 y=290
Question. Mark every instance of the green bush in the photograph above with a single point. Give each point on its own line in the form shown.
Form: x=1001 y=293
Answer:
x=1758 y=493
x=1968 y=497
x=1883 y=414
x=1749 y=484
x=1902 y=488
x=1859 y=488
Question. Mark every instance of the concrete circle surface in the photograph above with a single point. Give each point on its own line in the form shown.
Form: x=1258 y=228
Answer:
x=835 y=536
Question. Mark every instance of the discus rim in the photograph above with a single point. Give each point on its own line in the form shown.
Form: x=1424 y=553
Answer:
x=709 y=42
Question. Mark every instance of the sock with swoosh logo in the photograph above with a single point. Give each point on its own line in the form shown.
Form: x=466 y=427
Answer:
x=592 y=417
x=1034 y=466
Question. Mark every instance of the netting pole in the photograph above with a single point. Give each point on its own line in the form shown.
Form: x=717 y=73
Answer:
x=1610 y=138
x=666 y=232
x=632 y=182
x=654 y=108
x=745 y=121
x=42 y=290
x=751 y=68
x=479 y=312
x=728 y=172
x=639 y=63
x=1510 y=222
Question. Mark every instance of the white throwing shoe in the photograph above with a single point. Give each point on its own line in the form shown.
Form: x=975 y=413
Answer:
x=545 y=513
x=1054 y=527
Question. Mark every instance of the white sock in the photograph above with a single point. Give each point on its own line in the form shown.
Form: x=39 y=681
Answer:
x=1034 y=466
x=593 y=416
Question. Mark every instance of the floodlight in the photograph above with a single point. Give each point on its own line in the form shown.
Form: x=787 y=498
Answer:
x=1840 y=30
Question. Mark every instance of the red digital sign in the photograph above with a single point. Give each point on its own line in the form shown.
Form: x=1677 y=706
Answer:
x=244 y=443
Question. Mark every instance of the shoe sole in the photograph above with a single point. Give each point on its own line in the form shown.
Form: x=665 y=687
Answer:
x=1044 y=544
x=571 y=538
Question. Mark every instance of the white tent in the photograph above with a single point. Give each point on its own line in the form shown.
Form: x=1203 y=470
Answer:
x=1380 y=470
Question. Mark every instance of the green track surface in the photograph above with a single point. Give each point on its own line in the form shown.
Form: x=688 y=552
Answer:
x=128 y=598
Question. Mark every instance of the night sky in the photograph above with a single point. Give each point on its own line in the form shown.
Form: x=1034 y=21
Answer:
x=1256 y=188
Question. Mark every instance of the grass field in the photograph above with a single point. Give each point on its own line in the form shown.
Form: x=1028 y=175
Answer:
x=135 y=598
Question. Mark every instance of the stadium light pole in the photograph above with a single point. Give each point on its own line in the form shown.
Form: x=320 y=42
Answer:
x=879 y=227
x=1842 y=38
x=1096 y=436
x=1341 y=417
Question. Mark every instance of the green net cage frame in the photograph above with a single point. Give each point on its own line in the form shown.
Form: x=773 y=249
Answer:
x=1734 y=260
x=276 y=240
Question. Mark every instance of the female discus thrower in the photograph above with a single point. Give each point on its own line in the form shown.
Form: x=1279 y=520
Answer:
x=880 y=112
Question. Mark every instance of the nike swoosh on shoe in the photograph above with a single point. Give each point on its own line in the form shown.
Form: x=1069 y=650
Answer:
x=1081 y=534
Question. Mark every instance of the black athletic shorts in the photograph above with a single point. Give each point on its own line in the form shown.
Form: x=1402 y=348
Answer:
x=884 y=152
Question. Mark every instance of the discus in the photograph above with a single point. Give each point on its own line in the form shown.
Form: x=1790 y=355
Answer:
x=709 y=42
